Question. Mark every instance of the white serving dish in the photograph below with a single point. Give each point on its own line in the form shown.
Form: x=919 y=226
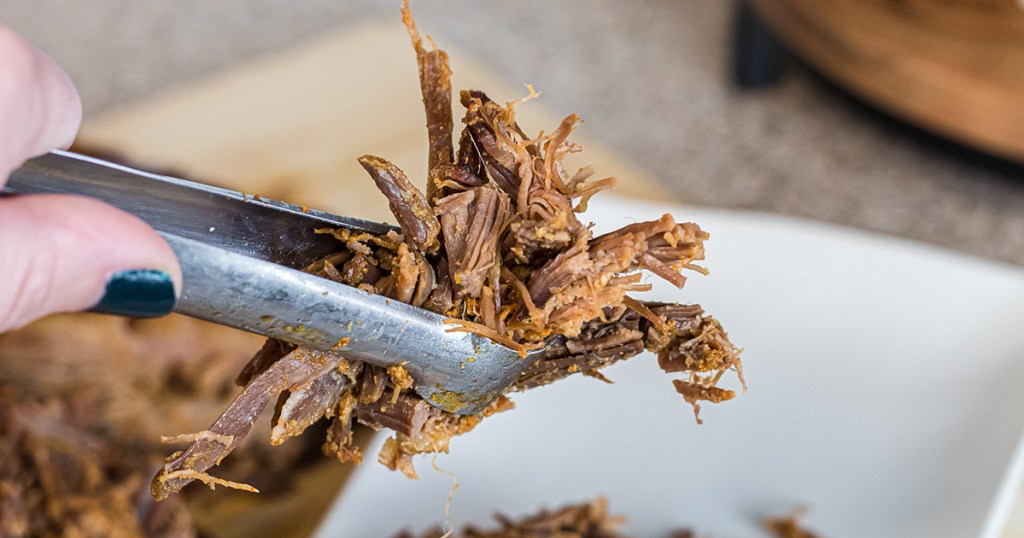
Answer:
x=885 y=394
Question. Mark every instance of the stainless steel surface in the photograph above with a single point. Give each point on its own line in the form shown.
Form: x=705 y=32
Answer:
x=228 y=243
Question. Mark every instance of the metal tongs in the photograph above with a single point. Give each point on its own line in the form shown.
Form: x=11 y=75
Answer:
x=240 y=256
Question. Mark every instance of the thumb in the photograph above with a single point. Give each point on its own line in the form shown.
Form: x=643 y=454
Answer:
x=62 y=253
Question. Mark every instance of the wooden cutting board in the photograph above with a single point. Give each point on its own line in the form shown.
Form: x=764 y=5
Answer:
x=290 y=126
x=954 y=67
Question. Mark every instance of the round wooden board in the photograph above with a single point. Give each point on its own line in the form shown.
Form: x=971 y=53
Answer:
x=955 y=67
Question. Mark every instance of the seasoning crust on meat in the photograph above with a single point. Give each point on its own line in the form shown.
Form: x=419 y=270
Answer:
x=495 y=243
x=789 y=526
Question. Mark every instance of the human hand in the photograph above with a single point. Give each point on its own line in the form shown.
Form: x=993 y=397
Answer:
x=62 y=253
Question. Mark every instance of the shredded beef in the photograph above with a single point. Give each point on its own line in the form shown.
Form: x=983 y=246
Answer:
x=589 y=520
x=296 y=370
x=84 y=399
x=496 y=243
x=583 y=520
x=789 y=526
x=58 y=478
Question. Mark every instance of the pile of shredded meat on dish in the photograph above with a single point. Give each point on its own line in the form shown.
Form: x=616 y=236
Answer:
x=590 y=520
x=583 y=520
x=495 y=242
x=83 y=399
x=58 y=477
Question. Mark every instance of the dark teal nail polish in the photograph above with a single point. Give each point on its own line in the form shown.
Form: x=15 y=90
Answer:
x=138 y=293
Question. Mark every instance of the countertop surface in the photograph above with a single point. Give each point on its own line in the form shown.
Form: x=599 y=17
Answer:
x=650 y=79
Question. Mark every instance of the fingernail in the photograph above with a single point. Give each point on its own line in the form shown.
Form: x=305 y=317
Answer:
x=138 y=293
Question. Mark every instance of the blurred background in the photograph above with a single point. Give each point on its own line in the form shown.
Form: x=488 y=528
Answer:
x=657 y=81
x=904 y=117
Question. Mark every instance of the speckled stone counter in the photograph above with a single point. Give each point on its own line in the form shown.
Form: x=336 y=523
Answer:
x=650 y=79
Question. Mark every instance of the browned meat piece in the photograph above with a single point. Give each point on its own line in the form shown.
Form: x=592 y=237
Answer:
x=576 y=285
x=555 y=150
x=434 y=436
x=701 y=390
x=688 y=341
x=469 y=158
x=372 y=384
x=361 y=269
x=407 y=415
x=459 y=177
x=606 y=342
x=305 y=405
x=328 y=267
x=340 y=442
x=441 y=300
x=271 y=352
x=407 y=203
x=697 y=342
x=436 y=86
x=404 y=281
x=540 y=237
x=599 y=344
x=208 y=448
x=493 y=143
x=472 y=222
x=789 y=526
x=426 y=281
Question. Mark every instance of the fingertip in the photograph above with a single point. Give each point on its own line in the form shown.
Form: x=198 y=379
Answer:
x=122 y=240
x=41 y=109
x=65 y=111
x=71 y=252
x=61 y=107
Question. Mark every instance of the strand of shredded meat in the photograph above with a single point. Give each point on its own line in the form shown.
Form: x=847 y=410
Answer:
x=495 y=243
